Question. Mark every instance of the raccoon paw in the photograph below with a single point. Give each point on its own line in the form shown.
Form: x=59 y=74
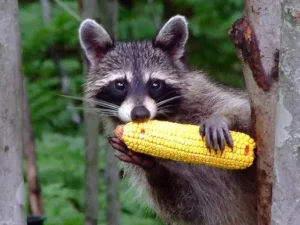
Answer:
x=128 y=156
x=216 y=132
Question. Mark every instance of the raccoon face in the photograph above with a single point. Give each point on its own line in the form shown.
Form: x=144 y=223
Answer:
x=135 y=80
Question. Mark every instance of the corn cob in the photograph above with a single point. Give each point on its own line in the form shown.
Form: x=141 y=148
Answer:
x=182 y=142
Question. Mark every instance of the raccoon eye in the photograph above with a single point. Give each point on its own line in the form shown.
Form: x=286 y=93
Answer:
x=120 y=85
x=156 y=84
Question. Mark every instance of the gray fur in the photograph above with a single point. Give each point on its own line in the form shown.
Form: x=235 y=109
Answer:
x=174 y=32
x=94 y=39
x=182 y=193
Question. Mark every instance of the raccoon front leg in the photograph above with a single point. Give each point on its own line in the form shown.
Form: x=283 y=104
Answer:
x=216 y=131
x=128 y=156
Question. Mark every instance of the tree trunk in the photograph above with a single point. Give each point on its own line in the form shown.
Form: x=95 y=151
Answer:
x=286 y=190
x=110 y=15
x=11 y=117
x=256 y=37
x=34 y=189
x=90 y=9
x=46 y=8
x=112 y=188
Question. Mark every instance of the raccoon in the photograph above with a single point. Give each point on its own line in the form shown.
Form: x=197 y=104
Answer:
x=140 y=80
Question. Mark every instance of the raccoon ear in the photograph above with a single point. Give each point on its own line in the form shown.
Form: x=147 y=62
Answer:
x=172 y=36
x=94 y=40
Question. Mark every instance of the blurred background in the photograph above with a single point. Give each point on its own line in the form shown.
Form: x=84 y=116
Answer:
x=53 y=66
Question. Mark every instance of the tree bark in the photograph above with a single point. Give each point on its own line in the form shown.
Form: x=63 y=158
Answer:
x=256 y=37
x=286 y=189
x=90 y=9
x=34 y=189
x=46 y=7
x=11 y=117
x=112 y=188
x=110 y=16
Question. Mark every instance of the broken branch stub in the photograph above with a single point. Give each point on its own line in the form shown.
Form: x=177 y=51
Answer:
x=244 y=39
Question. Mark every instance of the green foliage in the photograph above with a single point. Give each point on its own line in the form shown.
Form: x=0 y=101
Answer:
x=48 y=108
x=210 y=47
x=141 y=15
x=62 y=183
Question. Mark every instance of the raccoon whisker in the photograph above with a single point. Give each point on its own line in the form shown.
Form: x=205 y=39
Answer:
x=104 y=104
x=164 y=107
x=162 y=97
x=98 y=102
x=114 y=113
x=107 y=104
x=163 y=112
x=167 y=100
x=107 y=111
x=97 y=111
x=94 y=112
x=165 y=115
x=107 y=114
x=78 y=98
x=88 y=109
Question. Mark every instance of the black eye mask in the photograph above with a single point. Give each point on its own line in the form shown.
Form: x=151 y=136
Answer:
x=115 y=92
x=160 y=91
x=156 y=88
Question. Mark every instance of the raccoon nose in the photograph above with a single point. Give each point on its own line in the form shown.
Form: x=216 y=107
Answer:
x=140 y=113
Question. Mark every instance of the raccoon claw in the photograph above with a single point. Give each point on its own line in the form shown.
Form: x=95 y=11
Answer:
x=228 y=138
x=118 y=145
x=216 y=133
x=128 y=156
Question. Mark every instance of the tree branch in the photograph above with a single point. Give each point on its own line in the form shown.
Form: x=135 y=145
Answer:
x=68 y=10
x=34 y=189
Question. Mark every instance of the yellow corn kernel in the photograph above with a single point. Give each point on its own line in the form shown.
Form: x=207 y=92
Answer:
x=182 y=142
